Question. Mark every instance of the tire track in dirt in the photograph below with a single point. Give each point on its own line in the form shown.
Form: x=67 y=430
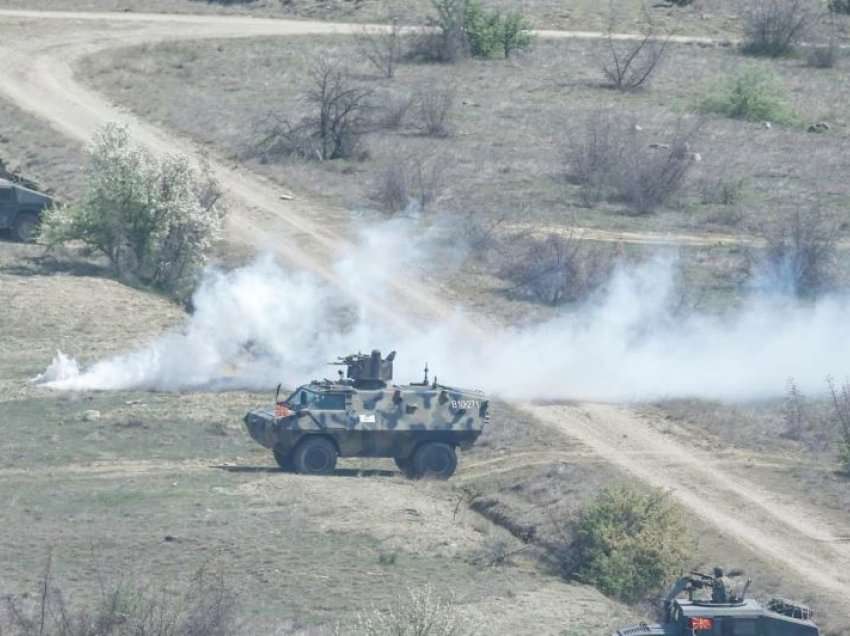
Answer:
x=37 y=74
x=785 y=532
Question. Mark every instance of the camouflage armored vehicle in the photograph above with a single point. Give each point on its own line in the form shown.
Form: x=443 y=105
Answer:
x=419 y=425
x=20 y=210
x=723 y=609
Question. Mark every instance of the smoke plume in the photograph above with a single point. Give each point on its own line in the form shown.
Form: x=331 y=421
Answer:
x=262 y=324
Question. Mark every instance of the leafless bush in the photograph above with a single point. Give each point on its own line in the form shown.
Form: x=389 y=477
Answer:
x=446 y=40
x=423 y=612
x=775 y=27
x=481 y=235
x=723 y=191
x=381 y=47
x=435 y=107
x=841 y=415
x=206 y=608
x=556 y=269
x=394 y=110
x=629 y=64
x=592 y=155
x=801 y=253
x=416 y=180
x=335 y=127
x=609 y=158
x=824 y=54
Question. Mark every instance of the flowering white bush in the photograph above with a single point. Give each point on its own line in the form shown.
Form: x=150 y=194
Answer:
x=154 y=219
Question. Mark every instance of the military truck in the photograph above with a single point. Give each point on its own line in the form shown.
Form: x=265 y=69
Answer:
x=21 y=209
x=725 y=612
x=420 y=425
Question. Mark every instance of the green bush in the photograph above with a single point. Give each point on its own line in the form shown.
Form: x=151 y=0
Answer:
x=490 y=32
x=465 y=27
x=154 y=219
x=629 y=544
x=754 y=94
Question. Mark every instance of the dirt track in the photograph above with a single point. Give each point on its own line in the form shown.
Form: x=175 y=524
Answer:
x=37 y=74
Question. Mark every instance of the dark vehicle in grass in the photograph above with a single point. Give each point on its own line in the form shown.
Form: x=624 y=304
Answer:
x=724 y=611
x=419 y=425
x=21 y=210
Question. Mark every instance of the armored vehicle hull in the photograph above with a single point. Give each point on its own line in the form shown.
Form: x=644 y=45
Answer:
x=727 y=612
x=21 y=209
x=421 y=426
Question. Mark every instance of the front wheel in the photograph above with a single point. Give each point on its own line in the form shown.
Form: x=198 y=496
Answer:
x=315 y=456
x=434 y=460
x=25 y=227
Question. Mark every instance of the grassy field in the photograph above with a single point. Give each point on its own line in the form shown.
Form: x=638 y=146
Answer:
x=157 y=486
x=512 y=123
x=707 y=17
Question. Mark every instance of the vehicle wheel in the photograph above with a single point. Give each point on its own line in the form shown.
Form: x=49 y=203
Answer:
x=315 y=456
x=284 y=460
x=25 y=227
x=434 y=461
x=403 y=463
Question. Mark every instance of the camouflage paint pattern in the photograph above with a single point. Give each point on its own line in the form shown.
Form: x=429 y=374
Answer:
x=383 y=422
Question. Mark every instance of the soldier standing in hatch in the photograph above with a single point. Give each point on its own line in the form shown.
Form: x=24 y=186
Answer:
x=722 y=587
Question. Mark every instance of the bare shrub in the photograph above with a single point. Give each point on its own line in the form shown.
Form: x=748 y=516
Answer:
x=207 y=607
x=423 y=612
x=394 y=110
x=801 y=253
x=723 y=191
x=775 y=27
x=381 y=47
x=403 y=181
x=839 y=6
x=333 y=130
x=556 y=269
x=609 y=158
x=435 y=108
x=841 y=417
x=630 y=64
x=446 y=40
x=824 y=54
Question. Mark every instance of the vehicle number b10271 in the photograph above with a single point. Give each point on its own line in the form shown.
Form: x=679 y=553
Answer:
x=465 y=404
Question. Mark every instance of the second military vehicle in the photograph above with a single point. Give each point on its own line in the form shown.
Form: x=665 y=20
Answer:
x=21 y=209
x=419 y=425
x=725 y=611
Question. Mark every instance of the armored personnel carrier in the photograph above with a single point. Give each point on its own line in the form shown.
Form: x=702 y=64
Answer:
x=360 y=414
x=20 y=210
x=724 y=611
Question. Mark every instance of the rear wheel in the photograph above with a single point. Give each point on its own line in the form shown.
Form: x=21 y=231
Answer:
x=284 y=460
x=403 y=463
x=434 y=460
x=25 y=227
x=315 y=456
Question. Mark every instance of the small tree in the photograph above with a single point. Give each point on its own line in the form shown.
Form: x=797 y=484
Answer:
x=629 y=65
x=514 y=33
x=333 y=130
x=382 y=47
x=628 y=543
x=775 y=27
x=154 y=219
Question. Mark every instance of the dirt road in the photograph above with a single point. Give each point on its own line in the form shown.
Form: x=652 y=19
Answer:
x=37 y=74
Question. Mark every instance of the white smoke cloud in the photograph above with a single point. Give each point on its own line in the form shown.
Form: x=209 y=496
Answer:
x=262 y=324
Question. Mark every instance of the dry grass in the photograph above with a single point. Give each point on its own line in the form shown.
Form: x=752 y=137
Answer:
x=504 y=155
x=712 y=17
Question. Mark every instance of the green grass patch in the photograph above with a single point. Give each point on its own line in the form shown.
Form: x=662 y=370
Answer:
x=753 y=94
